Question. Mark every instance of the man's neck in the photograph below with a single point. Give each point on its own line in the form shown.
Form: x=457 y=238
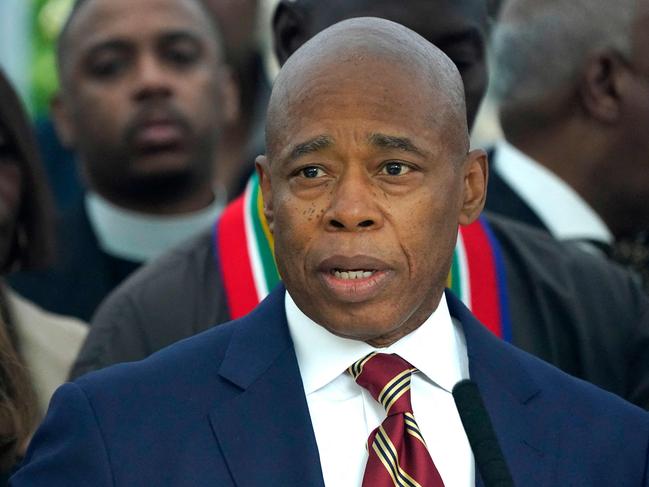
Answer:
x=563 y=212
x=571 y=151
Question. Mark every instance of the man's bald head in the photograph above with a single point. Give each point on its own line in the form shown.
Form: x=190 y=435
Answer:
x=356 y=52
x=368 y=170
x=457 y=27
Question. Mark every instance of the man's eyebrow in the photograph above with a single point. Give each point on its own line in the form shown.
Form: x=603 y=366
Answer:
x=311 y=146
x=118 y=44
x=106 y=45
x=394 y=142
x=180 y=35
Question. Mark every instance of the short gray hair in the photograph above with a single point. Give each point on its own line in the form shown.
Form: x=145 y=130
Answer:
x=542 y=46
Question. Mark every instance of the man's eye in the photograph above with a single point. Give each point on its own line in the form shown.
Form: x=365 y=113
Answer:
x=311 y=172
x=106 y=68
x=183 y=56
x=395 y=169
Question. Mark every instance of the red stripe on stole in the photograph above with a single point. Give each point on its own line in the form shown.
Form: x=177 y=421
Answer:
x=236 y=269
x=483 y=278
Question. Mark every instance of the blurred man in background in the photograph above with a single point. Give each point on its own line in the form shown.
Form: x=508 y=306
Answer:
x=145 y=95
x=572 y=82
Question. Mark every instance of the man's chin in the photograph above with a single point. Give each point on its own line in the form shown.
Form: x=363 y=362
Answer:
x=368 y=331
x=171 y=160
x=162 y=186
x=357 y=321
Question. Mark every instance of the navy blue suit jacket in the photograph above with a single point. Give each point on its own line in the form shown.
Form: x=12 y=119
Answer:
x=227 y=407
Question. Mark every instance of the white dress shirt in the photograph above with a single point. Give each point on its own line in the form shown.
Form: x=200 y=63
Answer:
x=140 y=237
x=561 y=209
x=344 y=414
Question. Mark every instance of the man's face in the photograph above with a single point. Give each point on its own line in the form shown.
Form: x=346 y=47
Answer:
x=364 y=195
x=457 y=27
x=143 y=91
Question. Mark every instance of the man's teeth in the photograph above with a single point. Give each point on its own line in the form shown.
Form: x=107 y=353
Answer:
x=352 y=274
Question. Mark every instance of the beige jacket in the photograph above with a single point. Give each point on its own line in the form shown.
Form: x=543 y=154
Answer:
x=49 y=344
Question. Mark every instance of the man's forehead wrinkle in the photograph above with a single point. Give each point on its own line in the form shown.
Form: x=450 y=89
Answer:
x=316 y=144
x=394 y=142
x=354 y=51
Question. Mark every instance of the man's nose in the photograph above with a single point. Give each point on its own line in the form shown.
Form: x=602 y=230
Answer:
x=354 y=205
x=153 y=79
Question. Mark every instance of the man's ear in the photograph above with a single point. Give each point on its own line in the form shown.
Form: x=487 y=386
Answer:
x=601 y=84
x=62 y=121
x=476 y=175
x=263 y=173
x=288 y=30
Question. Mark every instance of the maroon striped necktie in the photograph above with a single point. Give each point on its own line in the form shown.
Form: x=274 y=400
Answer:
x=398 y=455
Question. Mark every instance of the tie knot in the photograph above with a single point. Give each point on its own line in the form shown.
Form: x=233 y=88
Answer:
x=387 y=378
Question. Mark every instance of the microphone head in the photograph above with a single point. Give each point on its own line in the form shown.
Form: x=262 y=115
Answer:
x=482 y=438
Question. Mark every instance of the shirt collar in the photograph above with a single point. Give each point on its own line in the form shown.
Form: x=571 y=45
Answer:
x=563 y=211
x=437 y=348
x=140 y=237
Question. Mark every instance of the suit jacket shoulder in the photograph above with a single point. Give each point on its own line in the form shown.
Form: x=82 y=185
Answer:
x=554 y=429
x=590 y=317
x=200 y=411
x=173 y=297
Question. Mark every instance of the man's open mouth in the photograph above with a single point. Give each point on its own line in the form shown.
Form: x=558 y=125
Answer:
x=352 y=274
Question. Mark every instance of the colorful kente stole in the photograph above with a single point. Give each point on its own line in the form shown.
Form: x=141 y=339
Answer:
x=245 y=249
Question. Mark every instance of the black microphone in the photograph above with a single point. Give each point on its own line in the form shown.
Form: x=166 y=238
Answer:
x=482 y=438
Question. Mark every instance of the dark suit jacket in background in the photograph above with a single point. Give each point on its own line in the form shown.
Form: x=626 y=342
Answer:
x=227 y=407
x=574 y=310
x=504 y=201
x=82 y=275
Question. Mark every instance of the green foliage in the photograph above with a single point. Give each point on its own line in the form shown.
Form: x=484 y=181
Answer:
x=48 y=17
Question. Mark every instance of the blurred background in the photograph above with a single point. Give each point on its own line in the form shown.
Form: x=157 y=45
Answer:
x=28 y=30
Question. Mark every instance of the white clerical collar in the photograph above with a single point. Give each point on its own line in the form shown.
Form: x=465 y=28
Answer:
x=437 y=348
x=140 y=237
x=563 y=211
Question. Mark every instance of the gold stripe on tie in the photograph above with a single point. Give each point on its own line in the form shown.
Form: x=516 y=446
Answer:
x=394 y=389
x=356 y=368
x=387 y=453
x=386 y=464
x=412 y=428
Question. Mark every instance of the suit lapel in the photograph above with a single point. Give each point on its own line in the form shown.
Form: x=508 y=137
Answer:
x=513 y=401
x=265 y=431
